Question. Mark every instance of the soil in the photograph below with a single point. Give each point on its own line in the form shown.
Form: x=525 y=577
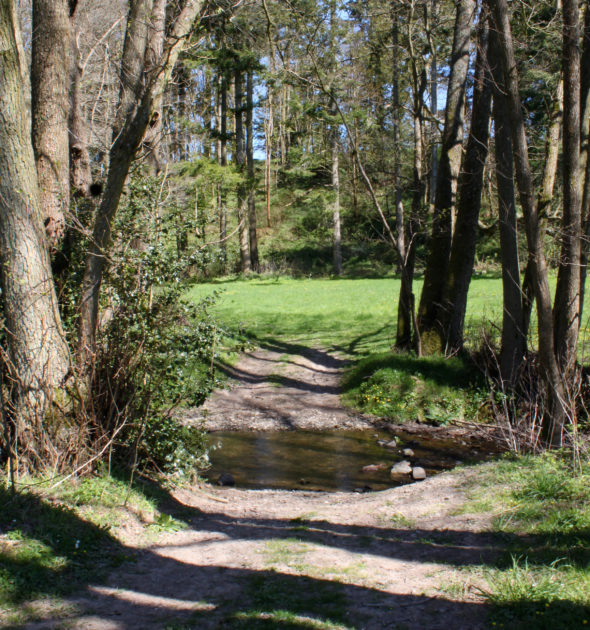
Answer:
x=407 y=557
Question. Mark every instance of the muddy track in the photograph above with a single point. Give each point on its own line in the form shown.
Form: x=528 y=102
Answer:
x=271 y=389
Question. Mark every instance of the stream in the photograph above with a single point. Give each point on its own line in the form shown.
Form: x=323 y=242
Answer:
x=326 y=460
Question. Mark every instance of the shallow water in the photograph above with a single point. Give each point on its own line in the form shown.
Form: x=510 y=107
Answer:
x=320 y=460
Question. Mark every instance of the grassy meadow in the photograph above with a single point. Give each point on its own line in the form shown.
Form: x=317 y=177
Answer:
x=356 y=317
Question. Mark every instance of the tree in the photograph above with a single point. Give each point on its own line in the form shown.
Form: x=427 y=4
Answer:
x=471 y=179
x=38 y=351
x=50 y=78
x=439 y=246
x=556 y=415
x=140 y=88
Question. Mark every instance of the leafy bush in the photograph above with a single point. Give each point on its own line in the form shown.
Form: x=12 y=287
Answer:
x=154 y=350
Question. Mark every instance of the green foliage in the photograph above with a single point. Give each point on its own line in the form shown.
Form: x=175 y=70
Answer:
x=155 y=350
x=405 y=388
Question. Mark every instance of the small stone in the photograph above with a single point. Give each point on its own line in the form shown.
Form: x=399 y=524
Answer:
x=226 y=479
x=372 y=468
x=401 y=468
x=418 y=473
x=408 y=452
x=392 y=444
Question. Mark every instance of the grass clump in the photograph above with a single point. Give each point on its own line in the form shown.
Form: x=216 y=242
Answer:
x=543 y=513
x=407 y=388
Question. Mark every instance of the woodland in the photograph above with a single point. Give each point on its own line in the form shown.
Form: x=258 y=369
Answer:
x=155 y=154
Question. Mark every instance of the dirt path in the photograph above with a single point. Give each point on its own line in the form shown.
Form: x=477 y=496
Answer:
x=295 y=560
x=282 y=388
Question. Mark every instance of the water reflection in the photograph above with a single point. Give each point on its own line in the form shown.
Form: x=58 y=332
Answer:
x=314 y=460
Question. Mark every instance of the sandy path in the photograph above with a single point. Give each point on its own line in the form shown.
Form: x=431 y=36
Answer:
x=282 y=388
x=384 y=560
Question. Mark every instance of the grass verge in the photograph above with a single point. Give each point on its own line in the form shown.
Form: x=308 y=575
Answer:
x=542 y=510
x=56 y=541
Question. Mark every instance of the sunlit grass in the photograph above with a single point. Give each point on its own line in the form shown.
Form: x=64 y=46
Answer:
x=542 y=511
x=354 y=316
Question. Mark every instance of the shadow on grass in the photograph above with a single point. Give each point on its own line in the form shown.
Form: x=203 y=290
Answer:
x=455 y=372
x=46 y=550
x=198 y=584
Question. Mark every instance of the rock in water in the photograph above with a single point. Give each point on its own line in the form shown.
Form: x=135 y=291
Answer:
x=372 y=468
x=418 y=473
x=226 y=479
x=401 y=468
x=408 y=452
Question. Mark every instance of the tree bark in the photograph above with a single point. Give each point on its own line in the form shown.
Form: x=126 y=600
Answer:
x=252 y=231
x=450 y=159
x=336 y=231
x=566 y=312
x=221 y=148
x=153 y=55
x=513 y=343
x=585 y=153
x=556 y=416
x=80 y=174
x=37 y=346
x=240 y=161
x=544 y=197
x=460 y=270
x=50 y=110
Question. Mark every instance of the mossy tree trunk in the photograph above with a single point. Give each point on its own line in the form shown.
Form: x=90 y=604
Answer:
x=439 y=246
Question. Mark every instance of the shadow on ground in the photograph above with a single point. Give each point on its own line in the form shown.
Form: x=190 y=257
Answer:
x=184 y=591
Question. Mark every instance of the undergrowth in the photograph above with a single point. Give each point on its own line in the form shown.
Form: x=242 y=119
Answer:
x=407 y=388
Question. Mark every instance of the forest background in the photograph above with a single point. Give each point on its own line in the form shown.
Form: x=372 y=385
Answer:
x=164 y=143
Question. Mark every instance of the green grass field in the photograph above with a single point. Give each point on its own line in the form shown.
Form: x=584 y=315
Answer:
x=355 y=316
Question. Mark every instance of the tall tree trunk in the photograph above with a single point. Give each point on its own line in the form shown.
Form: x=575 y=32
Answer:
x=544 y=197
x=556 y=416
x=50 y=107
x=80 y=174
x=222 y=161
x=431 y=20
x=439 y=247
x=240 y=160
x=513 y=344
x=138 y=94
x=403 y=339
x=254 y=259
x=336 y=230
x=152 y=141
x=37 y=346
x=566 y=312
x=471 y=180
x=585 y=153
